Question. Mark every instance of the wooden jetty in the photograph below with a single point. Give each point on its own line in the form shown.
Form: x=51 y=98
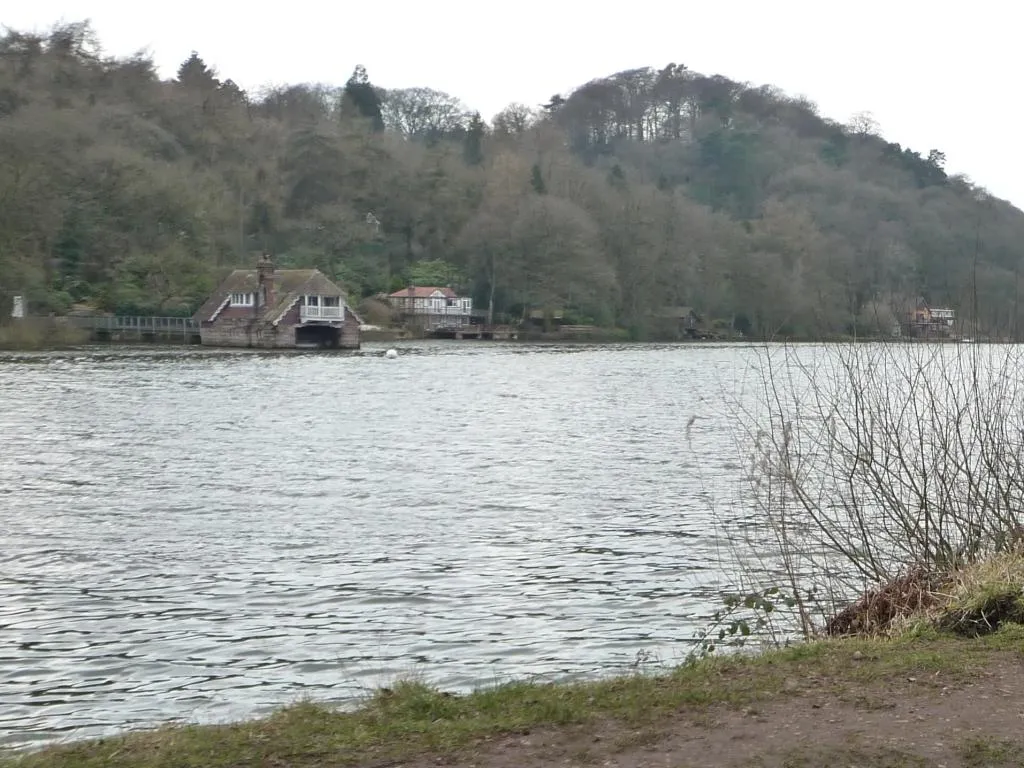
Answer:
x=475 y=331
x=133 y=328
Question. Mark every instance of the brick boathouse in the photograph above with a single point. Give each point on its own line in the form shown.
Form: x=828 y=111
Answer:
x=275 y=308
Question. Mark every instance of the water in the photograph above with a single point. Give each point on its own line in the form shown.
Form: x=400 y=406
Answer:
x=208 y=535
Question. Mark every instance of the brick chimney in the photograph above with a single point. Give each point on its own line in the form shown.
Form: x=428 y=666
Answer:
x=265 y=293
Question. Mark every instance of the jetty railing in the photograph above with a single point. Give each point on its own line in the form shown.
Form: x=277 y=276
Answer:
x=137 y=328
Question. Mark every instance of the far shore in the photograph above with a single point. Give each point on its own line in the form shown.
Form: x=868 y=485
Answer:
x=47 y=335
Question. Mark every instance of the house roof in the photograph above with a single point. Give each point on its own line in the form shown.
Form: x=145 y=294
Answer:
x=289 y=285
x=422 y=292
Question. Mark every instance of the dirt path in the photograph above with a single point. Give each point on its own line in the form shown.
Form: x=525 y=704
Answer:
x=896 y=722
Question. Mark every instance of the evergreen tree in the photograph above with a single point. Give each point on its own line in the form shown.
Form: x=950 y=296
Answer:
x=363 y=98
x=473 y=142
x=193 y=72
x=537 y=180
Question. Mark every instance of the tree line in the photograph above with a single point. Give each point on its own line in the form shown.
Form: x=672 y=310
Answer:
x=646 y=189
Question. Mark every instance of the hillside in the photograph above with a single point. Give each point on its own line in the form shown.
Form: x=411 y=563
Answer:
x=644 y=189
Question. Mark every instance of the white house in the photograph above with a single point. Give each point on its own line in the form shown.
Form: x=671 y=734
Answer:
x=430 y=307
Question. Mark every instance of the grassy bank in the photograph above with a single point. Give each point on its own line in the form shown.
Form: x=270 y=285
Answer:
x=413 y=722
x=34 y=333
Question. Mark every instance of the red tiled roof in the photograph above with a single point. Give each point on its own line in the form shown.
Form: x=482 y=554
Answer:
x=422 y=292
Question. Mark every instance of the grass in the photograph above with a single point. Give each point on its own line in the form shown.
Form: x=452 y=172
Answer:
x=987 y=753
x=971 y=601
x=985 y=595
x=40 y=333
x=854 y=758
x=412 y=719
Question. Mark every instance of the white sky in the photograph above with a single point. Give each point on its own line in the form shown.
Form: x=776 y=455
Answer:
x=933 y=75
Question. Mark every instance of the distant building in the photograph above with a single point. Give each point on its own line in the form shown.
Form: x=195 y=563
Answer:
x=544 y=319
x=278 y=308
x=678 y=322
x=930 y=322
x=431 y=308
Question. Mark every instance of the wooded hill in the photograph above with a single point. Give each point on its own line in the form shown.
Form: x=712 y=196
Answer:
x=645 y=189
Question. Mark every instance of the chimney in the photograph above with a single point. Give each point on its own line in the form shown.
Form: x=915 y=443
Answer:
x=265 y=294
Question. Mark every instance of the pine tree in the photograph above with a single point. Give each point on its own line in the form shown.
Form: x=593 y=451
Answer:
x=193 y=72
x=537 y=181
x=473 y=143
x=363 y=98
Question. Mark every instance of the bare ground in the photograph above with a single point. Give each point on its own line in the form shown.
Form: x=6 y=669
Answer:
x=925 y=698
x=936 y=720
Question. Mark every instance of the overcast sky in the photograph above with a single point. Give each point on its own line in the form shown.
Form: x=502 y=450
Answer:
x=933 y=75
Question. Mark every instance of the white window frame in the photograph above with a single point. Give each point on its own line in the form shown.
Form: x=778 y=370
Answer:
x=243 y=299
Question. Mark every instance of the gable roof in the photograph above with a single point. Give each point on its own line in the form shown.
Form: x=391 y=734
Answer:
x=289 y=286
x=422 y=292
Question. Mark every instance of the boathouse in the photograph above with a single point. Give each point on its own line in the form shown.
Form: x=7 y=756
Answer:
x=271 y=308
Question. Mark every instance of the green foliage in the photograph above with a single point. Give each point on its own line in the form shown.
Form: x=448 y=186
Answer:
x=642 y=190
x=360 y=93
x=836 y=150
x=193 y=73
x=437 y=273
x=754 y=617
x=537 y=180
x=728 y=166
x=473 y=143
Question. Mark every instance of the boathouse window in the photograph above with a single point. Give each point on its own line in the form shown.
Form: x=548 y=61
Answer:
x=331 y=301
x=242 y=299
x=312 y=301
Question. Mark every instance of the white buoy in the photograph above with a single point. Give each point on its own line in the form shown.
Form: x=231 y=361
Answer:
x=391 y=354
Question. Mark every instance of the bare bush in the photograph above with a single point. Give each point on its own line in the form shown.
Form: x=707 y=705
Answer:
x=875 y=461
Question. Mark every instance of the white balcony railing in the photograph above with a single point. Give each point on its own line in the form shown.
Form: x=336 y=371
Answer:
x=421 y=310
x=321 y=313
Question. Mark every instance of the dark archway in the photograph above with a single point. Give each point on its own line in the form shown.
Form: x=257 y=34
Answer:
x=319 y=336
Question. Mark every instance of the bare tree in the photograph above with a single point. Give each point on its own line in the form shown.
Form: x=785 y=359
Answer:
x=864 y=124
x=515 y=120
x=423 y=112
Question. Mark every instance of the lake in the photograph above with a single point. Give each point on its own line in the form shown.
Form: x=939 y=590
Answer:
x=206 y=535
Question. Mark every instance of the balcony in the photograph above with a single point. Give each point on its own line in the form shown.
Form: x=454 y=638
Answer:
x=436 y=310
x=307 y=313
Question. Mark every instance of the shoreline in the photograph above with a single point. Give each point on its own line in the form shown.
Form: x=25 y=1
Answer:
x=77 y=343
x=824 y=690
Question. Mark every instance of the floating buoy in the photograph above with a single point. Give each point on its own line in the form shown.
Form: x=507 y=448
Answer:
x=391 y=354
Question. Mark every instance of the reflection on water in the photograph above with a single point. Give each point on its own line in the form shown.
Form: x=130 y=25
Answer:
x=205 y=535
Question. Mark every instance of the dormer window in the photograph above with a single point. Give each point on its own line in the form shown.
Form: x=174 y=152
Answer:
x=243 y=299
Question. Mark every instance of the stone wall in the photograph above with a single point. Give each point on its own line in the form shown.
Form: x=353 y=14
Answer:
x=241 y=332
x=350 y=331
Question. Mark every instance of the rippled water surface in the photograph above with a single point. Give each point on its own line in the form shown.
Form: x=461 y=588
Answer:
x=205 y=535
